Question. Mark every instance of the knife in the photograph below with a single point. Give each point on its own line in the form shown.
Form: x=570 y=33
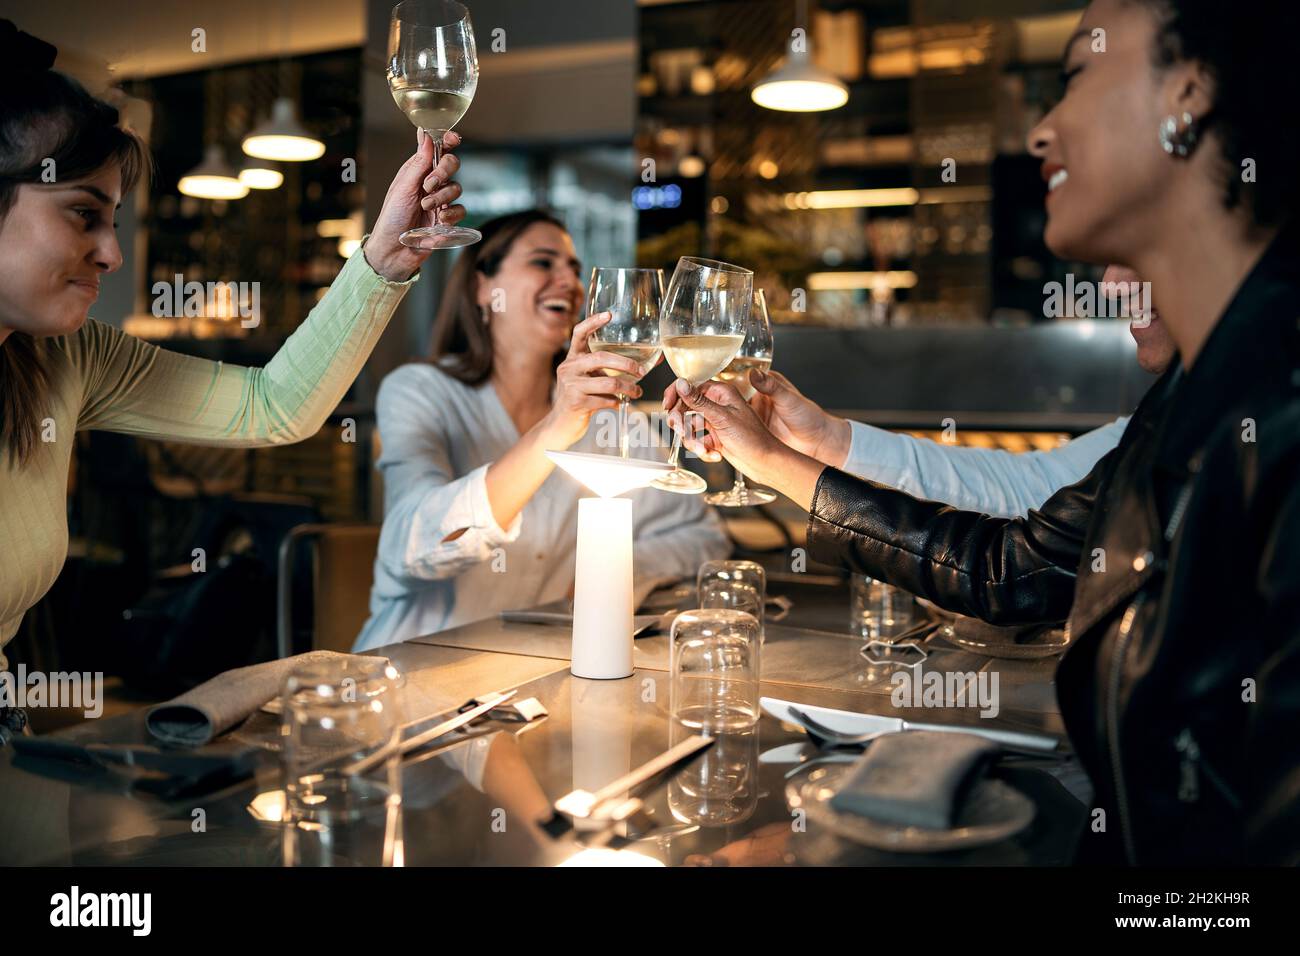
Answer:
x=849 y=722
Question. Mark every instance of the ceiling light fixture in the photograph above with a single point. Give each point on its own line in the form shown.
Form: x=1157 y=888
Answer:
x=799 y=85
x=213 y=178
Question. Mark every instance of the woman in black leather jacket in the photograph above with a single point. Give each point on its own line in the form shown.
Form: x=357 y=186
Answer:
x=1177 y=560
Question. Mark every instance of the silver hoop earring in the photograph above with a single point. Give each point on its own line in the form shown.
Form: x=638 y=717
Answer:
x=1177 y=143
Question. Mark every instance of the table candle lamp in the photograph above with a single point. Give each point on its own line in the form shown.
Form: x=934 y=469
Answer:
x=602 y=592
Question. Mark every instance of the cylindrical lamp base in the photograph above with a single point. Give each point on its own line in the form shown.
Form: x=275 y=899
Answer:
x=602 y=595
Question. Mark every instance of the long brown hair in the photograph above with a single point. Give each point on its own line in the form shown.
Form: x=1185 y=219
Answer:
x=462 y=345
x=45 y=115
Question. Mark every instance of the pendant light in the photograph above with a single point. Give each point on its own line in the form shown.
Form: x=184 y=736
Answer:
x=282 y=137
x=213 y=178
x=260 y=174
x=799 y=85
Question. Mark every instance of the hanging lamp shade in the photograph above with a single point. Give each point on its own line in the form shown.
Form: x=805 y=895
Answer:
x=213 y=178
x=283 y=137
x=800 y=86
x=260 y=174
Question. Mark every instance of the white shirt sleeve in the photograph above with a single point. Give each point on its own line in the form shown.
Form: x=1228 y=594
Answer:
x=435 y=525
x=988 y=480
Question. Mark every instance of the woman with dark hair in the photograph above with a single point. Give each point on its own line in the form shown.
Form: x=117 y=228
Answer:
x=476 y=519
x=65 y=164
x=1177 y=560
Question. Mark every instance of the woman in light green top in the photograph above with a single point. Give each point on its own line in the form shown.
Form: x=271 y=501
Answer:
x=61 y=372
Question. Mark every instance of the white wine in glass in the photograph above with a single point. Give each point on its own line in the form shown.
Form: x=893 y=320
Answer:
x=755 y=353
x=433 y=73
x=737 y=373
x=432 y=109
x=702 y=327
x=697 y=358
x=633 y=297
x=644 y=355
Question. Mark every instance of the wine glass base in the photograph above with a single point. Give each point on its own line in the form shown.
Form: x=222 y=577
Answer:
x=681 y=482
x=440 y=237
x=741 y=497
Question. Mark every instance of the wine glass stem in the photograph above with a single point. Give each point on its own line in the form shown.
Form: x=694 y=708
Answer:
x=677 y=443
x=677 y=448
x=436 y=136
x=739 y=486
x=623 y=403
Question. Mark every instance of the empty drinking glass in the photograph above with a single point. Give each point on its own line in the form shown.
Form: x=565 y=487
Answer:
x=721 y=787
x=714 y=666
x=342 y=783
x=738 y=572
x=736 y=595
x=879 y=611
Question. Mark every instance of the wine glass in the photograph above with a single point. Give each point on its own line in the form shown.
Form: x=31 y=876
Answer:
x=701 y=328
x=755 y=353
x=634 y=297
x=433 y=73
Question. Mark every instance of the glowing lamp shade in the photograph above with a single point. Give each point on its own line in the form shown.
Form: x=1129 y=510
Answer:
x=799 y=86
x=608 y=475
x=257 y=174
x=283 y=137
x=212 y=179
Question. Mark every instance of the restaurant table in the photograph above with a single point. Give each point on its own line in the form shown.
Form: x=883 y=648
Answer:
x=472 y=802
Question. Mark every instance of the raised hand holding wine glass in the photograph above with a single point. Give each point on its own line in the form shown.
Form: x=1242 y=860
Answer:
x=701 y=328
x=433 y=73
x=755 y=355
x=634 y=298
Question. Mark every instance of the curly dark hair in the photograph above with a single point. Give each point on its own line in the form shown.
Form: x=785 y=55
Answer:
x=1252 y=51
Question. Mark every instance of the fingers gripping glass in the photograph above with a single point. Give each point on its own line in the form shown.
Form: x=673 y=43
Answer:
x=755 y=354
x=633 y=297
x=433 y=73
x=701 y=328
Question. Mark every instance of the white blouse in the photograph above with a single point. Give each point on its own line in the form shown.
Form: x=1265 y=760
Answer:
x=443 y=559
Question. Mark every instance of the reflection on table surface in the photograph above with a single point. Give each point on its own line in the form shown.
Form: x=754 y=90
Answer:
x=476 y=800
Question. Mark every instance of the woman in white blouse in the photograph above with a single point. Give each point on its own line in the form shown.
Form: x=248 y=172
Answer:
x=476 y=518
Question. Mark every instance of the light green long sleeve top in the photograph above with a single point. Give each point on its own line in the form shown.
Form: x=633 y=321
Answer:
x=101 y=378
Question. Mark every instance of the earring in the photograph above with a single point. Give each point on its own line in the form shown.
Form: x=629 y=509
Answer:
x=483 y=312
x=1175 y=143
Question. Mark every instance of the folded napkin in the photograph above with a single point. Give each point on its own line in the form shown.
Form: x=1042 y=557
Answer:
x=914 y=778
x=212 y=708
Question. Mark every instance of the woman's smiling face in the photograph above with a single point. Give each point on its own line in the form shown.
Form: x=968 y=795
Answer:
x=56 y=241
x=1107 y=174
x=536 y=295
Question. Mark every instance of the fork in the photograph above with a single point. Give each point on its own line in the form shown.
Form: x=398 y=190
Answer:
x=1009 y=739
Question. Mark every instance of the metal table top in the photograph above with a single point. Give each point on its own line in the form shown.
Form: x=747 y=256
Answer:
x=474 y=802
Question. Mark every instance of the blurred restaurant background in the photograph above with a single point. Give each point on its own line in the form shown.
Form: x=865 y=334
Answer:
x=898 y=237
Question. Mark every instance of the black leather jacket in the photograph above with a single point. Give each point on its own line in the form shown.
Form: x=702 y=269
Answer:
x=1177 y=563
